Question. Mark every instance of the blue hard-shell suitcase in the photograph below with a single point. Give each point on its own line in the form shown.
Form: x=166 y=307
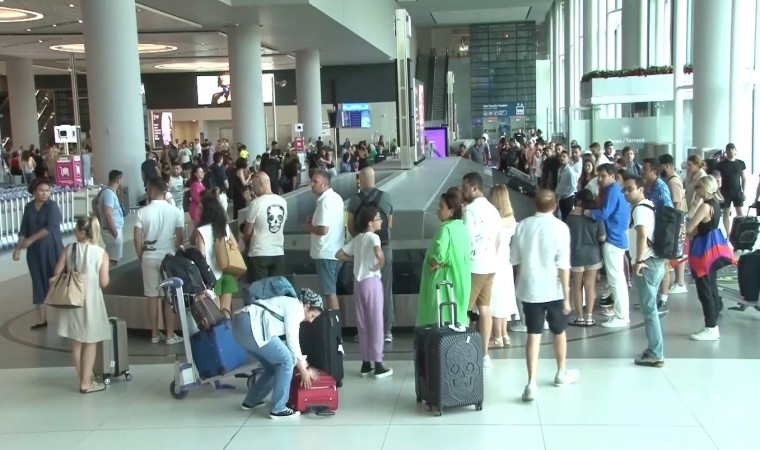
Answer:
x=215 y=351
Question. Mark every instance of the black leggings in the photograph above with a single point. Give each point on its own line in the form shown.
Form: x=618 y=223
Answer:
x=707 y=291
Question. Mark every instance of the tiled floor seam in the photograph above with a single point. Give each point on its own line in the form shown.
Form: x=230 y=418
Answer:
x=696 y=418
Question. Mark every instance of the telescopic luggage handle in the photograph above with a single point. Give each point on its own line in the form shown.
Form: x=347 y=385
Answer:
x=450 y=304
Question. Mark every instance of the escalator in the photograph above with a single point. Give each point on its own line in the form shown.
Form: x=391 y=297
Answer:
x=45 y=114
x=437 y=93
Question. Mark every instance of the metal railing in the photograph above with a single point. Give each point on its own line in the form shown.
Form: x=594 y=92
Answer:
x=13 y=200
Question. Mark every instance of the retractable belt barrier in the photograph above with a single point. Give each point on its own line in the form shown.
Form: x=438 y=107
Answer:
x=13 y=200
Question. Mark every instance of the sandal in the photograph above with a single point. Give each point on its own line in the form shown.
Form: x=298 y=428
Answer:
x=94 y=387
x=578 y=323
x=590 y=321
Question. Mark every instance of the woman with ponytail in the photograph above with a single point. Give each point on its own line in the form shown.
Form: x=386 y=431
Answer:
x=88 y=325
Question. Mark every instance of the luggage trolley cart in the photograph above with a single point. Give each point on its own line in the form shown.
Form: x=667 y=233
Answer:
x=186 y=375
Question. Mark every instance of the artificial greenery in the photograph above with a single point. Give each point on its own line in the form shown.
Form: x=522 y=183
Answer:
x=637 y=72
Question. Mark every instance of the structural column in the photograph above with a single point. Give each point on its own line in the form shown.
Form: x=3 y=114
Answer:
x=248 y=121
x=739 y=100
x=568 y=23
x=113 y=86
x=679 y=60
x=23 y=102
x=309 y=92
x=712 y=20
x=590 y=19
x=634 y=29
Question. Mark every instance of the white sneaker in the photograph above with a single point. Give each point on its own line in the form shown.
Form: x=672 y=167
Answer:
x=708 y=334
x=608 y=312
x=616 y=322
x=518 y=327
x=157 y=339
x=529 y=394
x=678 y=289
x=174 y=340
x=388 y=338
x=568 y=376
x=487 y=361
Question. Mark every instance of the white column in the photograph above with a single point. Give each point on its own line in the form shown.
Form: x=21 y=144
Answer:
x=590 y=39
x=679 y=59
x=712 y=39
x=756 y=94
x=113 y=85
x=739 y=109
x=569 y=88
x=556 y=117
x=23 y=102
x=309 y=93
x=248 y=121
x=635 y=33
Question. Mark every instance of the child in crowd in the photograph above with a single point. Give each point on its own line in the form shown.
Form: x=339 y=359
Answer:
x=365 y=252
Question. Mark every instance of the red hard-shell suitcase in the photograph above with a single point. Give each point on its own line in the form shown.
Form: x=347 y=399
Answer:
x=322 y=398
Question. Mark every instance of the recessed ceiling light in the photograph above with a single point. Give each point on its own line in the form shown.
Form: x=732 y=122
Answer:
x=196 y=66
x=80 y=20
x=55 y=25
x=18 y=15
x=71 y=5
x=28 y=29
x=141 y=48
x=40 y=41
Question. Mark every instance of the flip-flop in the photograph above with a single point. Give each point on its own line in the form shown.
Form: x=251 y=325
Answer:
x=94 y=387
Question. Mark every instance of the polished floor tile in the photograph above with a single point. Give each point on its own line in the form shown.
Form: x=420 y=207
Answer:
x=63 y=440
x=310 y=435
x=451 y=436
x=652 y=437
x=200 y=438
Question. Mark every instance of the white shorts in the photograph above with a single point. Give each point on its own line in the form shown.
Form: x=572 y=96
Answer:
x=114 y=246
x=151 y=272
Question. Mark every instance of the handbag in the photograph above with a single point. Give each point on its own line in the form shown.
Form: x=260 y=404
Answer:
x=68 y=287
x=228 y=257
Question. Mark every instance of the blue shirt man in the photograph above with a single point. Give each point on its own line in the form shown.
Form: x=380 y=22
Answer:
x=655 y=190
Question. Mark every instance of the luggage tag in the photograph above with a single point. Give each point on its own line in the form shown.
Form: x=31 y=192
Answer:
x=457 y=328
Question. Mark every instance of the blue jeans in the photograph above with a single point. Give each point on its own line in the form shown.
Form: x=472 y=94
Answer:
x=647 y=285
x=276 y=360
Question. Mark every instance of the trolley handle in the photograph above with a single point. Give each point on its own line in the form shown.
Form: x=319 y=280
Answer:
x=441 y=305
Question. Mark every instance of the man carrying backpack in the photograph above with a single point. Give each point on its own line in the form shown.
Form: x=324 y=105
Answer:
x=647 y=269
x=369 y=195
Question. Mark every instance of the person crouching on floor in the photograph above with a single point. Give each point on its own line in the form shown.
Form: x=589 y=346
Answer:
x=365 y=252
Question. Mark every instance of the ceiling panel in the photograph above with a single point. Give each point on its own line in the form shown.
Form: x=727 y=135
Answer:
x=480 y=16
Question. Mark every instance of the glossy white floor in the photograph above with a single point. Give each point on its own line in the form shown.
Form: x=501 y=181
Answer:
x=690 y=404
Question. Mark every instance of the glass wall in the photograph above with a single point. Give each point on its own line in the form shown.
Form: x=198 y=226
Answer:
x=503 y=77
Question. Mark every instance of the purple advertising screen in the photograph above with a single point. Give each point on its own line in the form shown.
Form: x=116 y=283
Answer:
x=438 y=137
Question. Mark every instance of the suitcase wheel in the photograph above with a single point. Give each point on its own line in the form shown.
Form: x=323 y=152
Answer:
x=479 y=407
x=106 y=381
x=128 y=376
x=339 y=384
x=178 y=394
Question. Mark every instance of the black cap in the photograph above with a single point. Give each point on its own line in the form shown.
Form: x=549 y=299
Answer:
x=666 y=159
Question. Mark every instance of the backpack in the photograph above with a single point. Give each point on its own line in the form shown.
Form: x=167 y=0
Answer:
x=669 y=238
x=267 y=288
x=373 y=199
x=194 y=255
x=184 y=269
x=95 y=205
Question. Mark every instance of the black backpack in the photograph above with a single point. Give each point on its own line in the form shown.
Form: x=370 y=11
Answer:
x=669 y=238
x=184 y=269
x=373 y=199
x=194 y=255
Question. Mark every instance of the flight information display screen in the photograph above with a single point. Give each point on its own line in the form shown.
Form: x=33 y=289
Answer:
x=355 y=115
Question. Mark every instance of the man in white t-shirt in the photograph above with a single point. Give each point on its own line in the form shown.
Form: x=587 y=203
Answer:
x=647 y=270
x=327 y=229
x=540 y=249
x=264 y=226
x=599 y=156
x=158 y=232
x=483 y=222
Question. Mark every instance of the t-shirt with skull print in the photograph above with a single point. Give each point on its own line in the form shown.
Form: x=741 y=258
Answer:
x=268 y=214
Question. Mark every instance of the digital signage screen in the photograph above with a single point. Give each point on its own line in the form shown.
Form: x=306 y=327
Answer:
x=216 y=90
x=355 y=115
x=437 y=138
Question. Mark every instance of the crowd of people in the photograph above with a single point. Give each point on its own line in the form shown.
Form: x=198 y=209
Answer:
x=595 y=212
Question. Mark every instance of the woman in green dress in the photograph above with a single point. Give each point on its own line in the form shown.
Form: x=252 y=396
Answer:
x=447 y=259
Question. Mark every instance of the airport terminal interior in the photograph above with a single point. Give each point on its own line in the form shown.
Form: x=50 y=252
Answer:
x=422 y=95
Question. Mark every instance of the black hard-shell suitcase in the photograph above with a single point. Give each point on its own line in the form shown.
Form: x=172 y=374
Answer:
x=448 y=362
x=744 y=232
x=322 y=343
x=749 y=276
x=112 y=356
x=521 y=182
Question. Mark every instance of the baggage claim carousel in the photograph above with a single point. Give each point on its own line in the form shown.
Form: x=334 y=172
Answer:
x=414 y=193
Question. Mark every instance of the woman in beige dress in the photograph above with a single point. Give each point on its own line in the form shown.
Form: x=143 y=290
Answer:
x=88 y=325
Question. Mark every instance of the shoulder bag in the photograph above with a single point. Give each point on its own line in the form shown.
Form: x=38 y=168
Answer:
x=228 y=257
x=67 y=289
